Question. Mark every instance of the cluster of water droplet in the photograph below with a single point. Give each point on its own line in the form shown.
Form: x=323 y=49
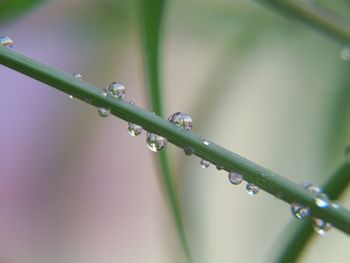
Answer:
x=321 y=200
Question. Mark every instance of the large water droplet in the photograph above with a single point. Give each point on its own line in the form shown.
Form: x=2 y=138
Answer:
x=321 y=200
x=311 y=187
x=155 y=142
x=320 y=226
x=104 y=112
x=299 y=211
x=77 y=76
x=134 y=129
x=116 y=90
x=188 y=150
x=182 y=120
x=235 y=178
x=204 y=163
x=6 y=42
x=345 y=54
x=252 y=189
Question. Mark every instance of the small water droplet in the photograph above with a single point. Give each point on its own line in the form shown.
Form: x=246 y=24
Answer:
x=205 y=141
x=335 y=204
x=235 y=178
x=299 y=211
x=188 y=150
x=252 y=189
x=321 y=200
x=77 y=76
x=116 y=90
x=182 y=120
x=204 y=163
x=345 y=54
x=6 y=42
x=71 y=97
x=134 y=129
x=155 y=142
x=311 y=187
x=219 y=167
x=320 y=226
x=103 y=112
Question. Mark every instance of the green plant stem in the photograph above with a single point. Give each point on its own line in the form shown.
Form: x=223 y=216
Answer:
x=151 y=21
x=253 y=173
x=314 y=16
x=300 y=234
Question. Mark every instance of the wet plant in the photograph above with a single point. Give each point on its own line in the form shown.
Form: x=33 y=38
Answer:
x=309 y=203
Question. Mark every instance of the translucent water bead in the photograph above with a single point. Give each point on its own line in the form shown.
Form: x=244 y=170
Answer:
x=116 y=90
x=103 y=112
x=77 y=76
x=235 y=178
x=299 y=211
x=204 y=164
x=182 y=120
x=252 y=189
x=134 y=129
x=6 y=42
x=311 y=187
x=155 y=142
x=320 y=226
x=321 y=200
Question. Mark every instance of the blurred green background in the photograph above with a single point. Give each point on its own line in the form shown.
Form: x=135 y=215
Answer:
x=77 y=188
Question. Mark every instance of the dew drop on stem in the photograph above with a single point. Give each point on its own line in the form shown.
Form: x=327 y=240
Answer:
x=155 y=142
x=235 y=178
x=134 y=129
x=320 y=226
x=116 y=90
x=104 y=112
x=299 y=211
x=189 y=150
x=252 y=189
x=182 y=120
x=204 y=164
x=6 y=42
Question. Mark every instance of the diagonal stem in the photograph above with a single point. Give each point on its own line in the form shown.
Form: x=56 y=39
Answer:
x=253 y=173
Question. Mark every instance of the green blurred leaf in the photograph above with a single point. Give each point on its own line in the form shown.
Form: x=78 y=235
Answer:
x=151 y=20
x=11 y=9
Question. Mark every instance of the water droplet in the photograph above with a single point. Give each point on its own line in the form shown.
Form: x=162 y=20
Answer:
x=116 y=90
x=134 y=129
x=155 y=142
x=205 y=141
x=71 y=97
x=188 y=150
x=321 y=200
x=77 y=76
x=311 y=187
x=320 y=226
x=299 y=211
x=235 y=178
x=219 y=167
x=204 y=163
x=182 y=120
x=6 y=42
x=345 y=54
x=103 y=112
x=347 y=153
x=335 y=204
x=252 y=189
